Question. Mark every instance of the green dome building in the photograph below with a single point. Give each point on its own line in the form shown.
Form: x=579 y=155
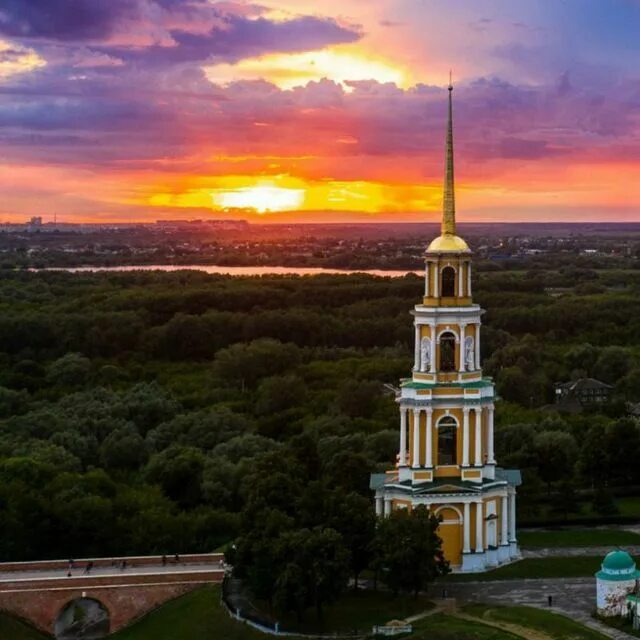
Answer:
x=615 y=581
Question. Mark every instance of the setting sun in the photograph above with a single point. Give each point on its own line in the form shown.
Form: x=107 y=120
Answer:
x=262 y=198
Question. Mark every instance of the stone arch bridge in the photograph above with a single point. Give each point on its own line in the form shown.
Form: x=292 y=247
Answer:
x=127 y=587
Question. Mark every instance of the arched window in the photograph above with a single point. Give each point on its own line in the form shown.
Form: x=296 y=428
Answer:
x=448 y=282
x=447 y=352
x=447 y=441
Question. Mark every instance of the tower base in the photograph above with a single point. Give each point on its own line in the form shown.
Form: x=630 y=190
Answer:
x=489 y=559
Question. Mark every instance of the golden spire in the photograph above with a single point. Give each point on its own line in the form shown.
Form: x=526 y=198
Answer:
x=448 y=241
x=449 y=203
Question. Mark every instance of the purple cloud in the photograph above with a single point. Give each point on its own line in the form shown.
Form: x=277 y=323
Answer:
x=238 y=37
x=63 y=19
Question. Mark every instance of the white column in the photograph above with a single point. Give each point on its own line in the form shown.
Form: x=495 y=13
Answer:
x=403 y=437
x=379 y=505
x=490 y=453
x=436 y=284
x=387 y=507
x=479 y=527
x=512 y=518
x=504 y=519
x=416 y=349
x=426 y=279
x=432 y=368
x=469 y=279
x=460 y=280
x=428 y=458
x=478 y=452
x=466 y=524
x=416 y=438
x=465 y=437
x=461 y=365
x=477 y=341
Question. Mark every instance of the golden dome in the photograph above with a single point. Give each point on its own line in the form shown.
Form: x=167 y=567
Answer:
x=448 y=243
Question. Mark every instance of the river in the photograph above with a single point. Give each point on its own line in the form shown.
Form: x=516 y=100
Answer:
x=237 y=271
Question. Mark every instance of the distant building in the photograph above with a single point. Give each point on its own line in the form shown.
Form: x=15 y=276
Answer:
x=34 y=224
x=584 y=391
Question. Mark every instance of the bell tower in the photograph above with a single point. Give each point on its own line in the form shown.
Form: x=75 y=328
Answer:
x=446 y=447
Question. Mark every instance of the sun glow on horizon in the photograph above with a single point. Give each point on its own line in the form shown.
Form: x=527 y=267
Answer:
x=261 y=198
x=287 y=71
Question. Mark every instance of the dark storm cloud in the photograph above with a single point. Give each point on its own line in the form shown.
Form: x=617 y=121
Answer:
x=63 y=19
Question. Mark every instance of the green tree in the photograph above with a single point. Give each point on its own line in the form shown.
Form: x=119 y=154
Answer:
x=555 y=455
x=408 y=550
x=178 y=470
x=315 y=571
x=613 y=364
x=71 y=370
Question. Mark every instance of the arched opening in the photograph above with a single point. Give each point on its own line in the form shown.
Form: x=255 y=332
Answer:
x=450 y=531
x=448 y=282
x=447 y=352
x=447 y=441
x=82 y=619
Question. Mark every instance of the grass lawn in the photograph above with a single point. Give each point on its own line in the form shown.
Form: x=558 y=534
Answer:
x=195 y=616
x=13 y=629
x=554 y=625
x=578 y=567
x=199 y=615
x=627 y=506
x=359 y=610
x=444 y=627
x=577 y=538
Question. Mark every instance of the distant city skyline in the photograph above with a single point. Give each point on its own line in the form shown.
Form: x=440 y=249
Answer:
x=295 y=111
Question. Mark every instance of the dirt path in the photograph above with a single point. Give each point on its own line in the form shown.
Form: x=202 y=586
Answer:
x=515 y=629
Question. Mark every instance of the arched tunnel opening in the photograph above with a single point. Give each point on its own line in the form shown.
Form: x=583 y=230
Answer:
x=82 y=619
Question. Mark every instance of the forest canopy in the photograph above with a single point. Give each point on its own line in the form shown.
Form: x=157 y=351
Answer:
x=139 y=402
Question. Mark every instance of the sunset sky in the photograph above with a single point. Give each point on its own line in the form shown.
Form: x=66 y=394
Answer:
x=329 y=110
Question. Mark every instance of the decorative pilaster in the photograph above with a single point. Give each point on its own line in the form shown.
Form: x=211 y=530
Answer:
x=477 y=345
x=479 y=527
x=416 y=351
x=490 y=453
x=512 y=517
x=402 y=461
x=433 y=347
x=478 y=438
x=426 y=279
x=436 y=267
x=469 y=279
x=465 y=437
x=428 y=459
x=461 y=362
x=466 y=524
x=416 y=438
x=504 y=520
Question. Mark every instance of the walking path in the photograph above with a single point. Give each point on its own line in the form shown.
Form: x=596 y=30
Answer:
x=100 y=571
x=572 y=552
x=572 y=597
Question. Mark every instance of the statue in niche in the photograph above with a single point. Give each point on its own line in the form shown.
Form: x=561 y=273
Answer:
x=425 y=355
x=470 y=353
